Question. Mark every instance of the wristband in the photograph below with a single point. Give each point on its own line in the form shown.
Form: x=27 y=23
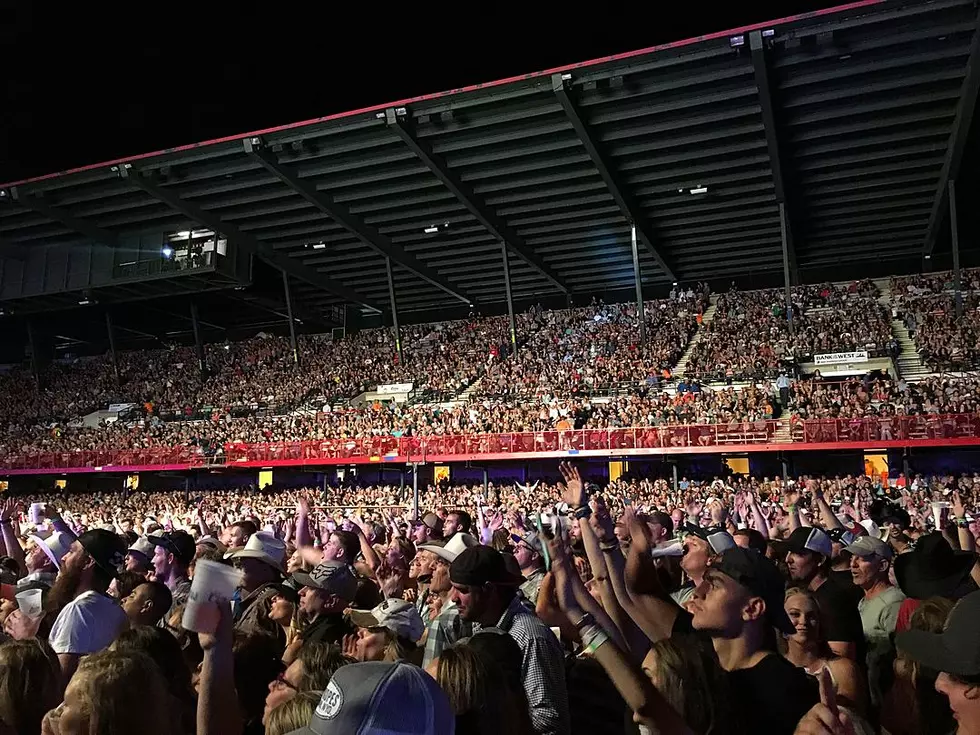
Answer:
x=608 y=548
x=586 y=619
x=962 y=523
x=582 y=512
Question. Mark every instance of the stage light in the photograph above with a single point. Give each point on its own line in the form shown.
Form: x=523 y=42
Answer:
x=167 y=252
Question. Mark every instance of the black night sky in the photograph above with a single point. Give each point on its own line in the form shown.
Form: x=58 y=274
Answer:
x=82 y=85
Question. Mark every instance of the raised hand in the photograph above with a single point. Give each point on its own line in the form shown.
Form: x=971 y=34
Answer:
x=573 y=489
x=9 y=509
x=825 y=718
x=959 y=510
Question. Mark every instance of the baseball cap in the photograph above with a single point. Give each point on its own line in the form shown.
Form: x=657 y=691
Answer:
x=106 y=548
x=956 y=650
x=481 y=565
x=809 y=539
x=179 y=543
x=333 y=576
x=529 y=539
x=841 y=536
x=868 y=545
x=761 y=577
x=717 y=537
x=433 y=521
x=398 y=616
x=381 y=698
x=142 y=546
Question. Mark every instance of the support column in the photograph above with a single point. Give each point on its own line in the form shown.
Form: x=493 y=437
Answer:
x=394 y=312
x=673 y=475
x=510 y=298
x=954 y=231
x=641 y=314
x=787 y=282
x=785 y=467
x=289 y=315
x=415 y=492
x=112 y=344
x=35 y=357
x=198 y=344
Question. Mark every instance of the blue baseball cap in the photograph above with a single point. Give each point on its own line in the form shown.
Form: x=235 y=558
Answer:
x=381 y=698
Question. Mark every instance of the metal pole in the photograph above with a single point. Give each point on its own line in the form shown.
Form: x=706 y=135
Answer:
x=198 y=344
x=486 y=482
x=785 y=466
x=35 y=358
x=394 y=312
x=112 y=344
x=640 y=312
x=673 y=473
x=289 y=315
x=784 y=232
x=510 y=297
x=955 y=237
x=415 y=490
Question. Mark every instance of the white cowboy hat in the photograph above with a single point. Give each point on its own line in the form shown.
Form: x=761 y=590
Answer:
x=55 y=546
x=263 y=546
x=459 y=543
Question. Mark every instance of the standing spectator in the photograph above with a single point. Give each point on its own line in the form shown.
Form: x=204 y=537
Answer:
x=447 y=627
x=326 y=592
x=808 y=561
x=91 y=619
x=870 y=565
x=175 y=550
x=486 y=594
x=261 y=563
x=148 y=603
x=528 y=552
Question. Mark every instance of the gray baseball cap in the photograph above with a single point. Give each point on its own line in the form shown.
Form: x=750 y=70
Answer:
x=381 y=698
x=333 y=576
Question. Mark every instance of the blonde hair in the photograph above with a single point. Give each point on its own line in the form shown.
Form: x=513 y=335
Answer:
x=110 y=682
x=293 y=714
x=29 y=683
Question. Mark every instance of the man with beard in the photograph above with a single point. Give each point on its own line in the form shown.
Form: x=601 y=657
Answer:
x=90 y=619
x=174 y=553
x=261 y=563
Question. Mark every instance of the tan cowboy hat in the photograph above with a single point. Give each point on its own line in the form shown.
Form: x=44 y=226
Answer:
x=263 y=546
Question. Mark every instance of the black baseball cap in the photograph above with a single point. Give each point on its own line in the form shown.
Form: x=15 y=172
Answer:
x=956 y=650
x=759 y=576
x=480 y=565
x=106 y=548
x=179 y=543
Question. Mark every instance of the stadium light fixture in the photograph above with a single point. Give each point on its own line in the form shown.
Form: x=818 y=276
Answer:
x=699 y=190
x=431 y=230
x=167 y=252
x=319 y=245
x=736 y=41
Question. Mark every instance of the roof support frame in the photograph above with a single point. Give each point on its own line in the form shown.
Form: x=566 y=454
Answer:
x=623 y=198
x=402 y=126
x=245 y=241
x=957 y=141
x=341 y=214
x=38 y=203
x=763 y=82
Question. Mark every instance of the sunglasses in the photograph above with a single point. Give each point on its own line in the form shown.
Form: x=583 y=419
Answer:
x=282 y=683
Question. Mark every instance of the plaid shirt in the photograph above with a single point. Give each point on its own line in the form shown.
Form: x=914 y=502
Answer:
x=543 y=669
x=448 y=628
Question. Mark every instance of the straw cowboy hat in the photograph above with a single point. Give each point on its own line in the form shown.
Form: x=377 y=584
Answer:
x=264 y=547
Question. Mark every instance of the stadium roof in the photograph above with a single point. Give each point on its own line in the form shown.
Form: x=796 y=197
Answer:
x=853 y=119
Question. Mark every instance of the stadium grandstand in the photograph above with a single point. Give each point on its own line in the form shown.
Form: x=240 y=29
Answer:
x=546 y=405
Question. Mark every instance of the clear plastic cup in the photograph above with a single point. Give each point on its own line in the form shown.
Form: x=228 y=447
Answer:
x=36 y=513
x=214 y=584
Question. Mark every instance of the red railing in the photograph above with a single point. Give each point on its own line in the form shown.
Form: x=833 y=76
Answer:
x=899 y=430
x=888 y=428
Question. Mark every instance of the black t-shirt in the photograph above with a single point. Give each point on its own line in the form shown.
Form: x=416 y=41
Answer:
x=846 y=582
x=772 y=696
x=839 y=613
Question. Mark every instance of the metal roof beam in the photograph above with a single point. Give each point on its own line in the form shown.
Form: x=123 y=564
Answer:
x=38 y=203
x=957 y=141
x=624 y=200
x=342 y=215
x=760 y=67
x=243 y=240
x=404 y=129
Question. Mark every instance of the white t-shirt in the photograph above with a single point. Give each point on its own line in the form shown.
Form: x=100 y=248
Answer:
x=87 y=624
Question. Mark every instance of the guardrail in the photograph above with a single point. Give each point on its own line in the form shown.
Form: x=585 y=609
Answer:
x=896 y=431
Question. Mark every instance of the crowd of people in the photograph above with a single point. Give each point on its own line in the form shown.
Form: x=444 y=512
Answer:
x=926 y=304
x=731 y=605
x=749 y=337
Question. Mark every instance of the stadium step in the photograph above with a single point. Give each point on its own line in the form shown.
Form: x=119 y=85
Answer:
x=909 y=365
x=681 y=367
x=784 y=434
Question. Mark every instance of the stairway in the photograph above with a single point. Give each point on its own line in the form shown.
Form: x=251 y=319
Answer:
x=709 y=314
x=784 y=434
x=909 y=365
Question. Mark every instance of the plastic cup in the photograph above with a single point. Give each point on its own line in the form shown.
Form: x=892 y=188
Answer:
x=36 y=513
x=214 y=584
x=29 y=603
